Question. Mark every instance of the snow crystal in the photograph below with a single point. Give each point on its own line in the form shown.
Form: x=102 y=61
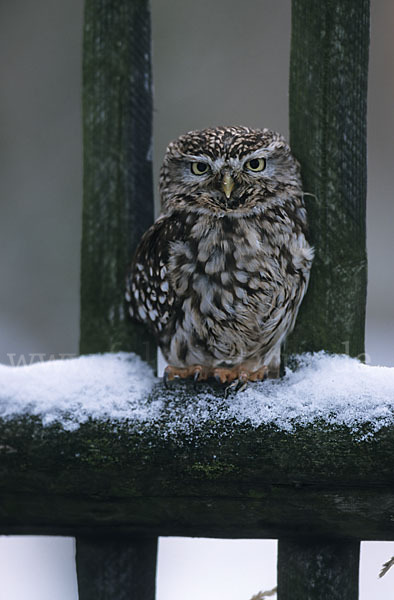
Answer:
x=335 y=389
x=73 y=390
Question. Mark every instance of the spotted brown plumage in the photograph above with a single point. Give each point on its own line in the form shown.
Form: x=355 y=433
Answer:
x=220 y=275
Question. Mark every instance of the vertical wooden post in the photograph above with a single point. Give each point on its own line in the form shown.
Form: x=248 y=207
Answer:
x=318 y=569
x=118 y=190
x=116 y=570
x=328 y=96
x=117 y=209
x=328 y=92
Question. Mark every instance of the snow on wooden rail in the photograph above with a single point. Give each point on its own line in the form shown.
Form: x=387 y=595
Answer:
x=96 y=445
x=334 y=389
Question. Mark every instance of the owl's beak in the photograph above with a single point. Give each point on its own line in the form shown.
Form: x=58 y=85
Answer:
x=227 y=185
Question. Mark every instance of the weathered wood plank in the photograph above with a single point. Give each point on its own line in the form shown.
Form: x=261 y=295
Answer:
x=328 y=95
x=218 y=481
x=117 y=209
x=125 y=570
x=317 y=569
x=118 y=189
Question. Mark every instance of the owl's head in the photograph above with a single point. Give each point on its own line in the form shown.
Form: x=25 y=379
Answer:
x=228 y=170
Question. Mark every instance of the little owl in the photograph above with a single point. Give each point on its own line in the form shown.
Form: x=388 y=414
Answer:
x=219 y=277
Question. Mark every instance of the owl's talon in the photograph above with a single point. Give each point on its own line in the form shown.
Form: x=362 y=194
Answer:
x=239 y=377
x=224 y=375
x=165 y=380
x=236 y=377
x=242 y=385
x=238 y=385
x=197 y=372
x=231 y=387
x=196 y=378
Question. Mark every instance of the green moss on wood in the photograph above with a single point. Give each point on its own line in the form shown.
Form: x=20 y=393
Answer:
x=228 y=482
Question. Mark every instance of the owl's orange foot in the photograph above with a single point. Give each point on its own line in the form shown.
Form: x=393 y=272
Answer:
x=238 y=377
x=198 y=372
x=239 y=373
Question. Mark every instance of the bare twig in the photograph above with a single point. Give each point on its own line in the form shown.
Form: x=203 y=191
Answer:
x=263 y=595
x=387 y=565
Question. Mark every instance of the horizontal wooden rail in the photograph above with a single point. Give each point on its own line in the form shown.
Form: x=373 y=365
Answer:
x=223 y=480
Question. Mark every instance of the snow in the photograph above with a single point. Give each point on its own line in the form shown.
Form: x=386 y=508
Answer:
x=71 y=391
x=336 y=389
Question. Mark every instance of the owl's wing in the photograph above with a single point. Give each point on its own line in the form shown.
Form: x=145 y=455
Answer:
x=148 y=288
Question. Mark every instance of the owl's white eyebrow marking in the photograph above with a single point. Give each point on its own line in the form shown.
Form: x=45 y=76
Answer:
x=198 y=158
x=259 y=153
x=238 y=163
x=215 y=165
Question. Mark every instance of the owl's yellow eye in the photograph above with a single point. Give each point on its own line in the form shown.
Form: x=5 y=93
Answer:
x=199 y=168
x=255 y=165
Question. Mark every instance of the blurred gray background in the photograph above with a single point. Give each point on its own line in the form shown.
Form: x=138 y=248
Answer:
x=222 y=62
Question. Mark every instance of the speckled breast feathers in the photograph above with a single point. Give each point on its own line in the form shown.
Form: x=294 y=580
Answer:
x=220 y=275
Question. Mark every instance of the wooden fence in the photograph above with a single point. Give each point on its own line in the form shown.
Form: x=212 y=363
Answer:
x=319 y=490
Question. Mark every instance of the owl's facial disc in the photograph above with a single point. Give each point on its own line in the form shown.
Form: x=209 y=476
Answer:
x=234 y=171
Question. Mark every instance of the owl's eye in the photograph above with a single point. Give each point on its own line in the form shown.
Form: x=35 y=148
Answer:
x=199 y=168
x=255 y=165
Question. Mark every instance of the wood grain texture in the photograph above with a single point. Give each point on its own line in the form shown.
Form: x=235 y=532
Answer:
x=317 y=569
x=219 y=480
x=328 y=103
x=328 y=95
x=117 y=209
x=118 y=191
x=121 y=570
